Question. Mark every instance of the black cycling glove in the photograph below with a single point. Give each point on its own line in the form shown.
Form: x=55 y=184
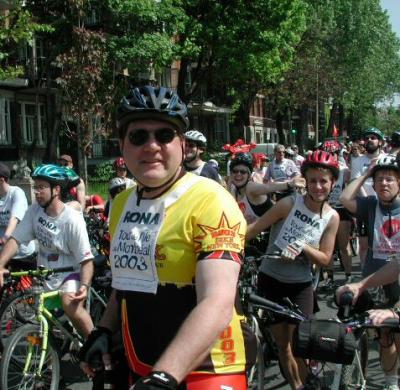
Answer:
x=97 y=344
x=156 y=380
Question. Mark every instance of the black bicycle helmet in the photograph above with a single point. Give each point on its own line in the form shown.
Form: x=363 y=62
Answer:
x=242 y=159
x=152 y=103
x=385 y=162
x=395 y=139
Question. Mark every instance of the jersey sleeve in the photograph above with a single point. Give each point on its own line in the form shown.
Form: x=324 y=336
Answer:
x=19 y=204
x=219 y=228
x=24 y=232
x=79 y=240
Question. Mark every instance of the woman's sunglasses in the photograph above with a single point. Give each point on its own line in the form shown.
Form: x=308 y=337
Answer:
x=241 y=171
x=141 y=136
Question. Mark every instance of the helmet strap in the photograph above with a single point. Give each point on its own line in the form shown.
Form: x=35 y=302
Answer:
x=168 y=184
x=49 y=202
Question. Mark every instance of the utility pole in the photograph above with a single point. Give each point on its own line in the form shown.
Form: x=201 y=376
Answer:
x=317 y=111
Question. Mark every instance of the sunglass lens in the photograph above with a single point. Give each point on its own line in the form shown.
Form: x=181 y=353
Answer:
x=139 y=137
x=165 y=136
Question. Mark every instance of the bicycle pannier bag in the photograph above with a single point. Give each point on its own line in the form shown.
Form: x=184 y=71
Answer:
x=324 y=340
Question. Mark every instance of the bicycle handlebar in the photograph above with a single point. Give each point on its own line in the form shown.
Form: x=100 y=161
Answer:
x=276 y=308
x=40 y=272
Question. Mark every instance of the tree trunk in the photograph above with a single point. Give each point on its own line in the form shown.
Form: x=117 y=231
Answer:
x=279 y=128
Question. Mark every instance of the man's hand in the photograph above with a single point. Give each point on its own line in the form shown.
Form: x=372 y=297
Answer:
x=95 y=352
x=292 y=250
x=354 y=288
x=380 y=315
x=3 y=272
x=81 y=294
x=157 y=380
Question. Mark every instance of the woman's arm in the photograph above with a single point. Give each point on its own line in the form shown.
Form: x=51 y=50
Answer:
x=279 y=211
x=323 y=255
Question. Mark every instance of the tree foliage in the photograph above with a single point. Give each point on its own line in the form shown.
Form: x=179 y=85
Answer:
x=16 y=26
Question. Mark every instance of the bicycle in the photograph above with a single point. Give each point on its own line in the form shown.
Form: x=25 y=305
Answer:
x=31 y=358
x=19 y=308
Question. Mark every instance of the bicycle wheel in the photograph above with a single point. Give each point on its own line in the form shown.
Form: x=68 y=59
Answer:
x=13 y=370
x=353 y=375
x=255 y=376
x=257 y=372
x=316 y=276
x=17 y=310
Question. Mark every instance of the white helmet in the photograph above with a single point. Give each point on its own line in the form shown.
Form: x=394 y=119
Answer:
x=214 y=163
x=116 y=182
x=197 y=137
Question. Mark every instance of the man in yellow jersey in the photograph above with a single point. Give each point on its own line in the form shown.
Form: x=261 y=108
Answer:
x=176 y=250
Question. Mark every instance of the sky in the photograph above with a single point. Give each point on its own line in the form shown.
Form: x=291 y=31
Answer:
x=393 y=8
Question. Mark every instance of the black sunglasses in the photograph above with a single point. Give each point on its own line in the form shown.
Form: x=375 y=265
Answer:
x=241 y=171
x=141 y=136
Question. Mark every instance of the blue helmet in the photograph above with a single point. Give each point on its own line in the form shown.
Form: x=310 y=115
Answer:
x=53 y=174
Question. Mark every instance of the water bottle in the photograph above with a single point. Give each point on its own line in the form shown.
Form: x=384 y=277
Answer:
x=109 y=382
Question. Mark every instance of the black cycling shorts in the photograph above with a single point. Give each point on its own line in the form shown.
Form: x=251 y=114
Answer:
x=344 y=214
x=300 y=294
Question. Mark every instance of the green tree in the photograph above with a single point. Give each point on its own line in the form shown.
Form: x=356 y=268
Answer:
x=16 y=26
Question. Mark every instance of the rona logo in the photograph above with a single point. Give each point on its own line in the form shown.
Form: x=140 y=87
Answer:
x=47 y=224
x=142 y=218
x=306 y=219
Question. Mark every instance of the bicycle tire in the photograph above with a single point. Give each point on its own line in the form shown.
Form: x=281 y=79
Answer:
x=14 y=357
x=256 y=373
x=17 y=310
x=350 y=375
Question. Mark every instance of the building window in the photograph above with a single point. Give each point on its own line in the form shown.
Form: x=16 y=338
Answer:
x=28 y=120
x=5 y=122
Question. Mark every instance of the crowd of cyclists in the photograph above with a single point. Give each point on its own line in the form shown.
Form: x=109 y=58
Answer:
x=178 y=231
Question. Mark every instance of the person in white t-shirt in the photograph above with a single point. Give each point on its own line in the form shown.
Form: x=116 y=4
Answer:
x=13 y=205
x=297 y=158
x=62 y=241
x=281 y=170
x=374 y=139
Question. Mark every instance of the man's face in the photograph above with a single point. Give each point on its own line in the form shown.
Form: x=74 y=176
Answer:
x=280 y=154
x=64 y=163
x=372 y=143
x=152 y=151
x=42 y=191
x=192 y=151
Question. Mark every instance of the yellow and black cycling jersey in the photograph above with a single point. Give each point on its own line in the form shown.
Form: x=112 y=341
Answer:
x=197 y=220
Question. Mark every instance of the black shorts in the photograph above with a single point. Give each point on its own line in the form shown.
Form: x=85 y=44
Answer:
x=300 y=294
x=344 y=214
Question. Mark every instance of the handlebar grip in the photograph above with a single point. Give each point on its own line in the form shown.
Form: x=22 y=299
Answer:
x=61 y=269
x=346 y=299
x=391 y=323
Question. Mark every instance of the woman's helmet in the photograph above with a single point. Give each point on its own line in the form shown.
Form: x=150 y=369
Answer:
x=331 y=146
x=152 y=103
x=198 y=138
x=53 y=174
x=385 y=162
x=119 y=163
x=242 y=159
x=320 y=159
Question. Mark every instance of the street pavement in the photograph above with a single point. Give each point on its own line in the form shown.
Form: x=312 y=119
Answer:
x=75 y=380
